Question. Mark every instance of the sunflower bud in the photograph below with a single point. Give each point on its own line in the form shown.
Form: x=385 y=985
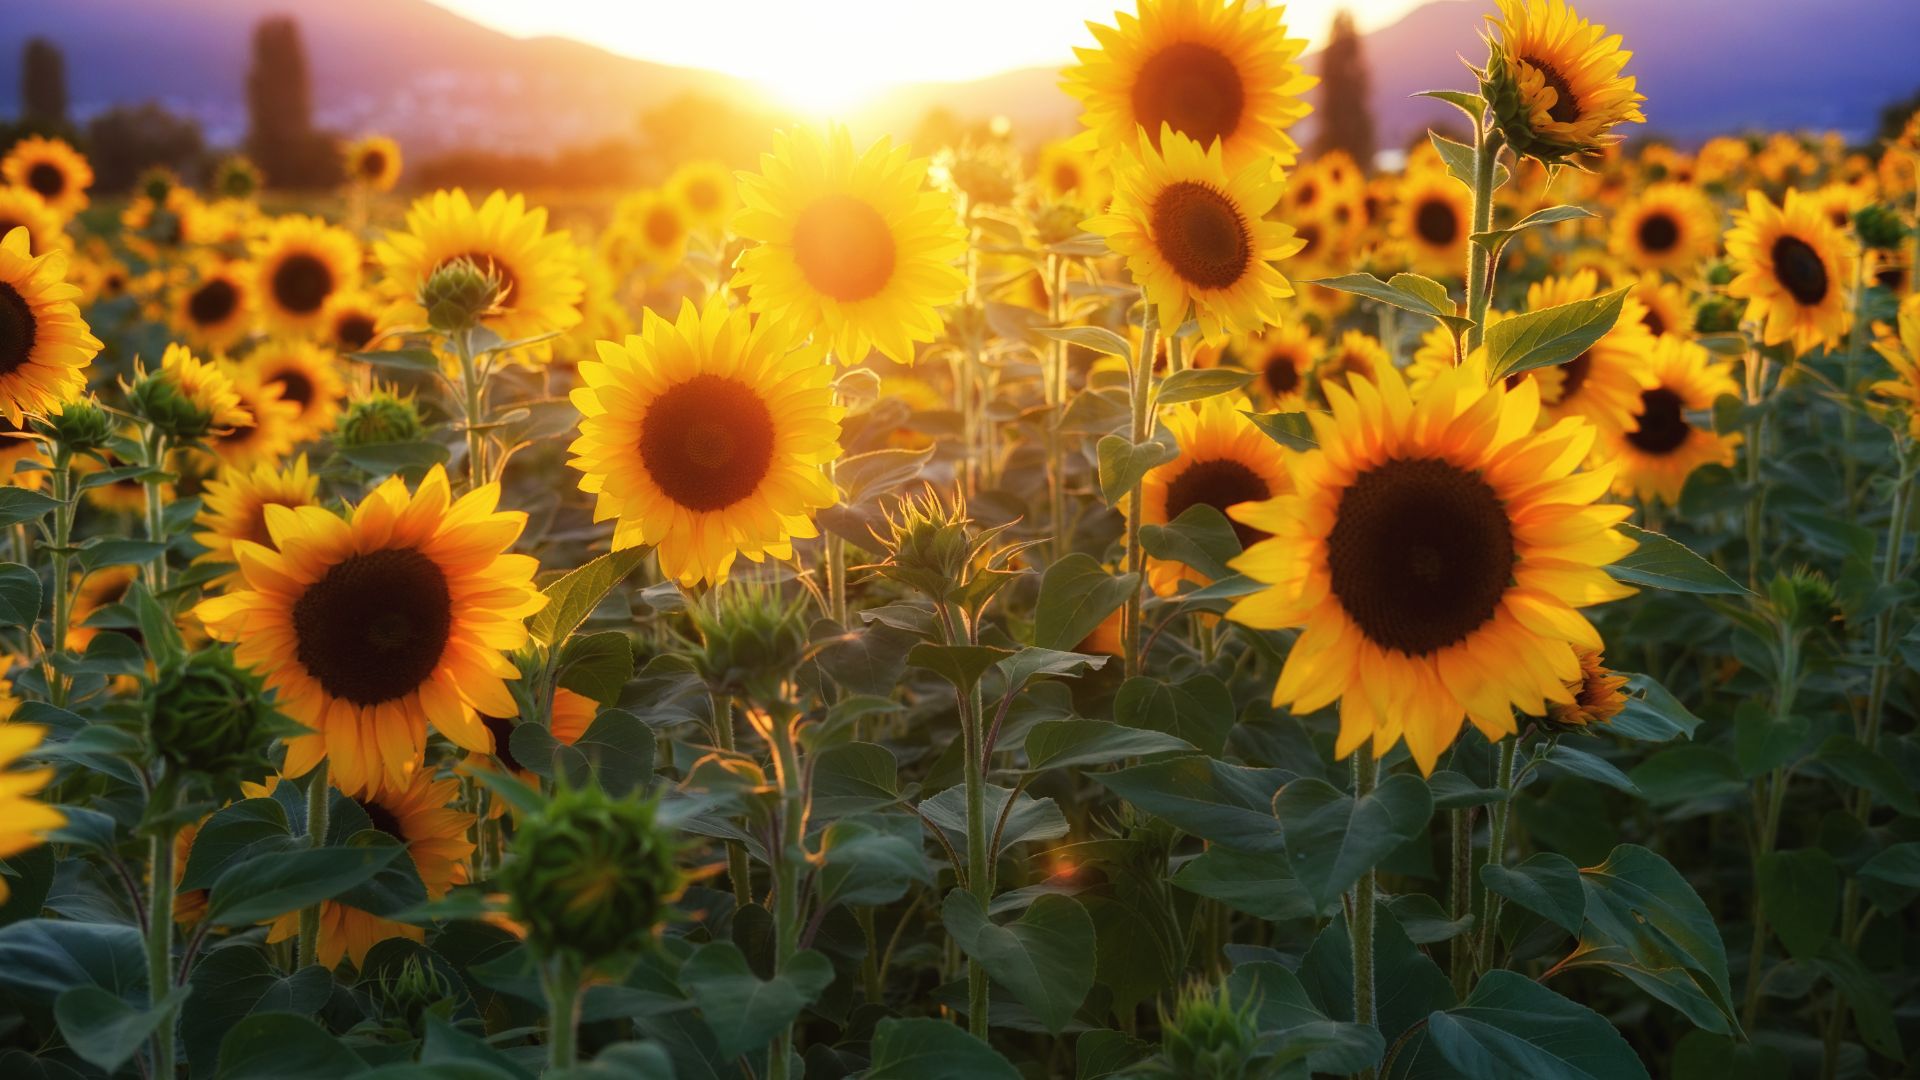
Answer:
x=1718 y=273
x=383 y=417
x=236 y=178
x=159 y=399
x=749 y=636
x=1880 y=228
x=1718 y=314
x=80 y=425
x=1209 y=1037
x=1804 y=600
x=209 y=718
x=986 y=172
x=929 y=545
x=402 y=996
x=590 y=877
x=1598 y=696
x=459 y=294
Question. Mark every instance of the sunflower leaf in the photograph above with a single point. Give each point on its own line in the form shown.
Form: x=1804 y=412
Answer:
x=574 y=596
x=1552 y=215
x=1459 y=160
x=1099 y=339
x=19 y=505
x=1661 y=562
x=1473 y=105
x=1123 y=464
x=1076 y=596
x=1290 y=429
x=1425 y=297
x=1196 y=384
x=418 y=359
x=19 y=595
x=1552 y=335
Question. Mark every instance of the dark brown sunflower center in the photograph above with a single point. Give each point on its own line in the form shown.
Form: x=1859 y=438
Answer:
x=663 y=226
x=17 y=329
x=1436 y=222
x=1658 y=233
x=1891 y=276
x=1800 y=270
x=1309 y=236
x=1201 y=235
x=373 y=164
x=353 y=330
x=707 y=442
x=1066 y=177
x=1663 y=424
x=1219 y=483
x=844 y=247
x=1420 y=554
x=294 y=386
x=46 y=179
x=374 y=627
x=1282 y=374
x=213 y=303
x=8 y=224
x=301 y=283
x=382 y=818
x=1573 y=375
x=501 y=727
x=1566 y=107
x=1193 y=87
x=1654 y=321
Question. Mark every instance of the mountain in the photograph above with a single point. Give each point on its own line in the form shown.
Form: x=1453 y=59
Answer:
x=438 y=81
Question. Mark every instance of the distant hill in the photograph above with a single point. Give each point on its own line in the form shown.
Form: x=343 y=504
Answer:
x=439 y=81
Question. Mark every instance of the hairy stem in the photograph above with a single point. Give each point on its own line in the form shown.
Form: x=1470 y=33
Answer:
x=318 y=804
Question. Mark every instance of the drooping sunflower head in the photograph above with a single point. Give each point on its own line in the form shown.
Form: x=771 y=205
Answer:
x=1433 y=216
x=373 y=626
x=1196 y=239
x=1670 y=227
x=1553 y=80
x=1603 y=384
x=1599 y=695
x=705 y=193
x=1281 y=359
x=373 y=163
x=301 y=263
x=1665 y=443
x=503 y=236
x=1224 y=461
x=25 y=821
x=304 y=375
x=51 y=169
x=1435 y=556
x=1792 y=267
x=1068 y=172
x=233 y=507
x=45 y=346
x=705 y=437
x=850 y=245
x=20 y=208
x=215 y=308
x=1901 y=348
x=268 y=434
x=1213 y=72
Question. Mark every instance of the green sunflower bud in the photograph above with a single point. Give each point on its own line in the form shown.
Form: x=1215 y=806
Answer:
x=1209 y=1037
x=1880 y=228
x=1718 y=315
x=460 y=293
x=1804 y=600
x=158 y=398
x=236 y=178
x=403 y=995
x=80 y=426
x=383 y=417
x=929 y=545
x=747 y=637
x=210 y=719
x=590 y=877
x=1718 y=272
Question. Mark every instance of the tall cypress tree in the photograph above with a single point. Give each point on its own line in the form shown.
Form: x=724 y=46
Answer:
x=280 y=135
x=1346 y=123
x=43 y=84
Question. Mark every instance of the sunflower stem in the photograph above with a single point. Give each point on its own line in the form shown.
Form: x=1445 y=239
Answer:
x=56 y=647
x=160 y=928
x=1141 y=395
x=786 y=863
x=979 y=865
x=318 y=805
x=1848 y=461
x=1460 y=897
x=1756 y=378
x=475 y=389
x=1486 y=157
x=737 y=871
x=1366 y=774
x=1056 y=385
x=562 y=980
x=155 y=445
x=1497 y=851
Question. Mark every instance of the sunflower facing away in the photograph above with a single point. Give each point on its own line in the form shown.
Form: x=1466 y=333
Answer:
x=705 y=192
x=502 y=235
x=24 y=820
x=1662 y=446
x=301 y=262
x=51 y=169
x=1603 y=384
x=1224 y=461
x=1281 y=358
x=706 y=437
x=233 y=507
x=1433 y=216
x=1212 y=71
x=1791 y=267
x=1198 y=240
x=20 y=208
x=216 y=308
x=1670 y=227
x=424 y=815
x=45 y=345
x=1434 y=558
x=1553 y=80
x=850 y=246
x=371 y=627
x=306 y=376
x=373 y=163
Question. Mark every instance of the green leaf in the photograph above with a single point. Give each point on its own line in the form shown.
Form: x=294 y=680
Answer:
x=1124 y=463
x=19 y=505
x=1866 y=996
x=1852 y=762
x=574 y=596
x=1427 y=289
x=616 y=751
x=1512 y=1027
x=1800 y=894
x=961 y=665
x=1593 y=767
x=743 y=1010
x=1030 y=818
x=854 y=777
x=19 y=595
x=418 y=359
x=597 y=665
x=1546 y=884
x=1661 y=562
x=1897 y=864
x=1331 y=838
x=1292 y=1029
x=933 y=1050
x=1671 y=984
x=1197 y=384
x=1761 y=742
x=103 y=1029
x=1227 y=804
x=1103 y=1053
x=1459 y=158
x=1260 y=885
x=1548 y=336
x=1201 y=537
x=227 y=837
x=43 y=958
x=871 y=859
x=1415 y=988
x=1058 y=744
x=281 y=1046
x=1688 y=773
x=1033 y=662
x=1652 y=713
x=1638 y=901
x=1473 y=105
x=1290 y=429
x=385 y=459
x=1198 y=710
x=1076 y=596
x=1552 y=215
x=862 y=477
x=1408 y=292
x=1097 y=338
x=1045 y=957
x=269 y=885
x=232 y=984
x=118 y=551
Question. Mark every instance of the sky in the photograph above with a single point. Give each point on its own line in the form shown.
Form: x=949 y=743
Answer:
x=822 y=55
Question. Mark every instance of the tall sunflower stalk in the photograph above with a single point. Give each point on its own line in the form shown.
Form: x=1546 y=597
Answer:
x=1140 y=398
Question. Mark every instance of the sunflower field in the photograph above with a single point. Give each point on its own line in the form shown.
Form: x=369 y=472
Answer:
x=1164 y=606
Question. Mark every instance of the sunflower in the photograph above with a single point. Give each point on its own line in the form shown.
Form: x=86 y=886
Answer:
x=1662 y=447
x=502 y=235
x=1902 y=351
x=177 y=219
x=1224 y=461
x=307 y=377
x=1067 y=172
x=1603 y=384
x=208 y=387
x=93 y=591
x=267 y=434
x=18 y=447
x=373 y=163
x=45 y=346
x=1665 y=307
x=1217 y=73
x=659 y=226
x=20 y=208
x=1357 y=354
x=424 y=815
x=1599 y=695
x=369 y=628
x=24 y=820
x=302 y=262
x=1198 y=240
x=233 y=507
x=350 y=321
x=1791 y=267
x=1671 y=227
x=1553 y=80
x=850 y=246
x=706 y=437
x=1280 y=358
x=1434 y=558
x=216 y=308
x=1434 y=216
x=704 y=191
x=51 y=169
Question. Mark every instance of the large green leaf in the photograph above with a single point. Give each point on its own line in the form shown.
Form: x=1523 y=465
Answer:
x=248 y=827
x=1201 y=537
x=268 y=885
x=574 y=596
x=742 y=1009
x=1056 y=744
x=1195 y=384
x=1045 y=957
x=1661 y=562
x=1123 y=463
x=1548 y=336
x=597 y=666
x=19 y=595
x=43 y=958
x=1546 y=884
x=234 y=983
x=1227 y=804
x=1030 y=818
x=1512 y=1028
x=19 y=505
x=281 y=1046
x=1293 y=1029
x=1800 y=894
x=1331 y=838
x=871 y=859
x=933 y=1050
x=1076 y=596
x=1260 y=885
x=104 y=1029
x=1638 y=901
x=1198 y=710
